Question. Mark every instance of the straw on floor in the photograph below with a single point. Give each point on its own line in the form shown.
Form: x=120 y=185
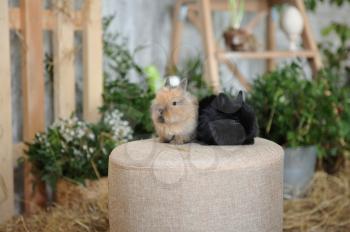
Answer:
x=325 y=209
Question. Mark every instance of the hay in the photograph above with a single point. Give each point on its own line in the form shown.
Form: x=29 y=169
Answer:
x=325 y=209
x=90 y=216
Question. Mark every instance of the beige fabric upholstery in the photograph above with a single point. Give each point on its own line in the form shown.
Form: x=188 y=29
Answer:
x=157 y=187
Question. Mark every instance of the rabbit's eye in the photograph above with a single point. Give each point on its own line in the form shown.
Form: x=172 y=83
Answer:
x=174 y=103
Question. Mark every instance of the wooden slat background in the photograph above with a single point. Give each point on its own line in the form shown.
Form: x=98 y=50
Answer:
x=64 y=75
x=92 y=58
x=30 y=20
x=32 y=87
x=6 y=171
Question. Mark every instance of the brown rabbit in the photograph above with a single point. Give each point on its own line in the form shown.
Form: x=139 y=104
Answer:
x=175 y=112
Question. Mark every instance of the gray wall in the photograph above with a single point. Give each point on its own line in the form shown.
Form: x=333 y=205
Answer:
x=147 y=23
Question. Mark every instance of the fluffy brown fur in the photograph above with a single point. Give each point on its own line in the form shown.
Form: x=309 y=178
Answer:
x=174 y=115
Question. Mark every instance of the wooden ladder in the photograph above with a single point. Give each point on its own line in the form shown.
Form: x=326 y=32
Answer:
x=199 y=13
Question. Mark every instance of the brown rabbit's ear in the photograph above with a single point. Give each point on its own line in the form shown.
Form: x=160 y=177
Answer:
x=183 y=84
x=167 y=82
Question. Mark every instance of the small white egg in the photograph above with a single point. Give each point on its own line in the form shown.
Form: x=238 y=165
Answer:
x=174 y=81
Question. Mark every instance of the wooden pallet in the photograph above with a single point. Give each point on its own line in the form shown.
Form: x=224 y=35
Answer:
x=30 y=20
x=200 y=15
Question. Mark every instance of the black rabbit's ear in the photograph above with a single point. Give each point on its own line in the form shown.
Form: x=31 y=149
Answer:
x=238 y=102
x=225 y=104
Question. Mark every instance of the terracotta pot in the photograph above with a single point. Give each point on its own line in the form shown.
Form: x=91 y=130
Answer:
x=68 y=193
x=239 y=40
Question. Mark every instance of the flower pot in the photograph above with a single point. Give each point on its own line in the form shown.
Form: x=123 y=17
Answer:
x=239 y=40
x=299 y=168
x=68 y=193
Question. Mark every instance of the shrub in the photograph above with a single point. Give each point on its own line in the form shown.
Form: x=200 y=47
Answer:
x=77 y=150
x=293 y=111
x=284 y=106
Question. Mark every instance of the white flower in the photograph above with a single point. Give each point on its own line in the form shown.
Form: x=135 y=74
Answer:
x=122 y=132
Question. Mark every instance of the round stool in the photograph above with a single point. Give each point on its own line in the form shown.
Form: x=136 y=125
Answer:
x=158 y=187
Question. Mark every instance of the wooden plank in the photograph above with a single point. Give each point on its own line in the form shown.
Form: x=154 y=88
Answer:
x=211 y=65
x=175 y=46
x=270 y=39
x=223 y=5
x=33 y=91
x=194 y=19
x=234 y=69
x=308 y=38
x=64 y=76
x=48 y=19
x=255 y=21
x=6 y=166
x=92 y=60
x=265 y=54
x=17 y=152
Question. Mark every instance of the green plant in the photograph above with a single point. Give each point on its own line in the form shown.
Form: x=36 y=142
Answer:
x=284 y=106
x=236 y=12
x=293 y=111
x=77 y=150
x=336 y=53
x=132 y=99
x=312 y=4
x=332 y=117
x=335 y=49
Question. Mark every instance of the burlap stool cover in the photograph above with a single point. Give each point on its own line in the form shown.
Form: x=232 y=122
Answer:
x=157 y=187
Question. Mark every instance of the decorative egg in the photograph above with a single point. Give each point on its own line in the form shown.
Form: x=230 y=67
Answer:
x=292 y=24
x=174 y=81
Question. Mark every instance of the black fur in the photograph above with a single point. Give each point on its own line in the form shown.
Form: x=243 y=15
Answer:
x=226 y=121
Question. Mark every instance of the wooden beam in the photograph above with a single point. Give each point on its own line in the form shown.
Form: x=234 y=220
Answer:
x=6 y=166
x=64 y=76
x=223 y=5
x=270 y=39
x=33 y=92
x=308 y=38
x=234 y=69
x=255 y=21
x=17 y=152
x=48 y=19
x=194 y=19
x=175 y=46
x=92 y=60
x=211 y=66
x=265 y=54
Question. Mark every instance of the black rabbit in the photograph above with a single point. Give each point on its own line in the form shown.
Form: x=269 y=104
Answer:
x=226 y=121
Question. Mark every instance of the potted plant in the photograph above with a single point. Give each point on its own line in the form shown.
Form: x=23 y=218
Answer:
x=333 y=125
x=286 y=111
x=335 y=102
x=236 y=37
x=72 y=155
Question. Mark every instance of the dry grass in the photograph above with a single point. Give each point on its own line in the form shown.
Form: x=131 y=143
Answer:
x=83 y=216
x=325 y=209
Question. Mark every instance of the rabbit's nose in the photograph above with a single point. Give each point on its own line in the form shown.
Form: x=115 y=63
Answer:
x=161 y=111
